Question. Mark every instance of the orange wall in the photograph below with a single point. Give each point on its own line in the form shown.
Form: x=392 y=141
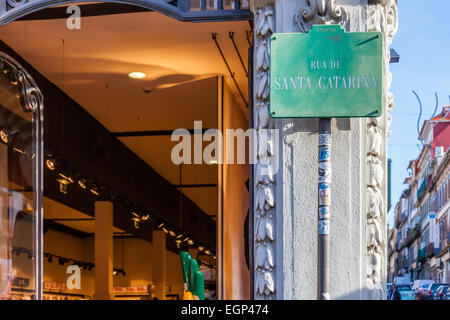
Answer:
x=137 y=262
x=235 y=206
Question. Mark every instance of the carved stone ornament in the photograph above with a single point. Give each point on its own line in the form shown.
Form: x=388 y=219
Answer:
x=381 y=16
x=31 y=98
x=320 y=12
x=264 y=214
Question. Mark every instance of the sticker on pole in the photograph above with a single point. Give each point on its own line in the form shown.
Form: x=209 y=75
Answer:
x=326 y=73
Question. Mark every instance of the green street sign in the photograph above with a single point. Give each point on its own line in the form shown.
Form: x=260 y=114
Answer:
x=326 y=73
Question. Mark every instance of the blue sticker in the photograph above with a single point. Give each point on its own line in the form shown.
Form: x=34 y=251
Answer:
x=324 y=154
x=323 y=212
x=323 y=227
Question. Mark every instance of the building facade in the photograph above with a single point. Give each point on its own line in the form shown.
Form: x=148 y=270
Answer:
x=420 y=235
x=282 y=193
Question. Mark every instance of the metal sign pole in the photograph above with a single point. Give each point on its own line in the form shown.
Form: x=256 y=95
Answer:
x=323 y=274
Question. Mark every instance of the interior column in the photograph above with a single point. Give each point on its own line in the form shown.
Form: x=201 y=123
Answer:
x=159 y=264
x=103 y=250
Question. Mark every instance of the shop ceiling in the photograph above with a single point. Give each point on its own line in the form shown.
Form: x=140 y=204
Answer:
x=181 y=62
x=92 y=67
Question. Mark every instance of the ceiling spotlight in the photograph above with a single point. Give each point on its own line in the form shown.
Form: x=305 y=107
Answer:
x=18 y=150
x=50 y=259
x=200 y=248
x=82 y=184
x=63 y=183
x=69 y=179
x=137 y=75
x=214 y=257
x=135 y=214
x=178 y=242
x=145 y=217
x=115 y=272
x=180 y=236
x=172 y=233
x=190 y=242
x=161 y=225
x=165 y=230
x=208 y=252
x=61 y=261
x=50 y=164
x=4 y=136
x=94 y=192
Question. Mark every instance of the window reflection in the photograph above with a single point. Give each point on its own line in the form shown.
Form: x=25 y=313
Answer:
x=211 y=4
x=244 y=4
x=17 y=219
x=228 y=4
x=194 y=5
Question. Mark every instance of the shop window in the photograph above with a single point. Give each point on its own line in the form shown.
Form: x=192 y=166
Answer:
x=245 y=4
x=20 y=181
x=228 y=4
x=195 y=5
x=211 y=4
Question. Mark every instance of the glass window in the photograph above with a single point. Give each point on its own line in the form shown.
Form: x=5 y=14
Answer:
x=228 y=4
x=195 y=5
x=211 y=4
x=245 y=4
x=20 y=212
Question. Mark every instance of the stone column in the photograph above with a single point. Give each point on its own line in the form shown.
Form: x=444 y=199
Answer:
x=159 y=264
x=103 y=250
x=286 y=199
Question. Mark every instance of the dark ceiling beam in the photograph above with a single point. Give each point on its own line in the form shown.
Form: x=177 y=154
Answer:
x=204 y=185
x=49 y=224
x=64 y=219
x=87 y=10
x=151 y=133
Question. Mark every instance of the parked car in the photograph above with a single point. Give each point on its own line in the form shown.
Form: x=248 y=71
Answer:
x=403 y=280
x=432 y=288
x=441 y=293
x=406 y=292
x=421 y=284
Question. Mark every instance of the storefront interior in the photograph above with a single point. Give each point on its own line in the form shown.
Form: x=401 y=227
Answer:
x=107 y=139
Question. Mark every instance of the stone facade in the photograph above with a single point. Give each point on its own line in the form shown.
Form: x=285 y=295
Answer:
x=287 y=267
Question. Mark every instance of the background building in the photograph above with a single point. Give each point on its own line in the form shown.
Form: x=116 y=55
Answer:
x=420 y=237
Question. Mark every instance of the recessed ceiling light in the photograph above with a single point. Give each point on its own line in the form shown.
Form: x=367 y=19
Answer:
x=50 y=164
x=137 y=75
x=4 y=136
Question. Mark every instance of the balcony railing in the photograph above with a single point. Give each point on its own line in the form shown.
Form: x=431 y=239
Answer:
x=430 y=250
x=421 y=189
x=422 y=254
